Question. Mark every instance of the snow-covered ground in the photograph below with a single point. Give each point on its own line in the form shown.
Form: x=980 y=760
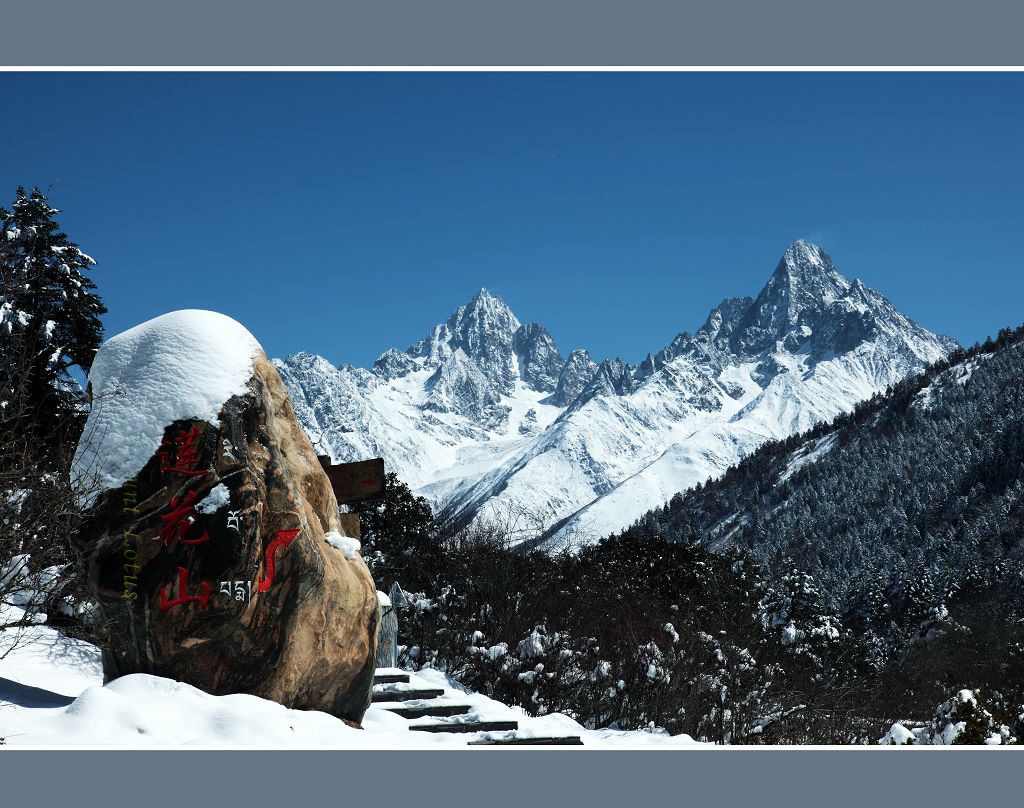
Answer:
x=52 y=694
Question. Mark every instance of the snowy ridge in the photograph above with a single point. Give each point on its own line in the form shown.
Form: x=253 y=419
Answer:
x=958 y=374
x=486 y=419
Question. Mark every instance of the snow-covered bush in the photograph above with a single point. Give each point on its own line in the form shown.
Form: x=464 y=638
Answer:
x=964 y=719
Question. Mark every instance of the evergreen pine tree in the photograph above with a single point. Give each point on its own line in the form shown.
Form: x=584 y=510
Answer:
x=49 y=324
x=49 y=319
x=398 y=537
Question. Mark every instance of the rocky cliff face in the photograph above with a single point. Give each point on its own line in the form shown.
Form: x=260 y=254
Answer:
x=220 y=561
x=587 y=447
x=574 y=376
x=540 y=363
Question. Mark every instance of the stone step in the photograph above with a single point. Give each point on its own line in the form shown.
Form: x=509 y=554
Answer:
x=435 y=711
x=390 y=678
x=406 y=695
x=569 y=740
x=474 y=726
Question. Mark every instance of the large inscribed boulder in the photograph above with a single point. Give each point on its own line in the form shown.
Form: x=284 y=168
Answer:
x=213 y=543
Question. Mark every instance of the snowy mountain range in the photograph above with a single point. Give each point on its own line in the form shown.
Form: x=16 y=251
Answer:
x=485 y=417
x=922 y=486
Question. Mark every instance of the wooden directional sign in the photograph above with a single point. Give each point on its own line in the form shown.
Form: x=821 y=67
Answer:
x=354 y=482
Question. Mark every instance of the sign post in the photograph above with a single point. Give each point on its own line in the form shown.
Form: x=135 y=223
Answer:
x=355 y=482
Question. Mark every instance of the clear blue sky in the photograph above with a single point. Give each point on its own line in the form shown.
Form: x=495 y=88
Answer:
x=344 y=214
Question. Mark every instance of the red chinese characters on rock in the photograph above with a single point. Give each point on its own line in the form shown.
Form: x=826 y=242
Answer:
x=202 y=599
x=181 y=520
x=283 y=539
x=180 y=455
x=186 y=457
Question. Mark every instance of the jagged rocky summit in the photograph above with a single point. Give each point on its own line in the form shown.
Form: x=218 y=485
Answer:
x=486 y=418
x=213 y=543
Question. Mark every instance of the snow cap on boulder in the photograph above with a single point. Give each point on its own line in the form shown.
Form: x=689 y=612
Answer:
x=178 y=366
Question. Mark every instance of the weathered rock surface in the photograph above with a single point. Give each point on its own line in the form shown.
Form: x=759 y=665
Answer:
x=577 y=373
x=211 y=564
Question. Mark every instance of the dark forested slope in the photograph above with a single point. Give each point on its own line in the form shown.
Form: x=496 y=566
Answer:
x=923 y=482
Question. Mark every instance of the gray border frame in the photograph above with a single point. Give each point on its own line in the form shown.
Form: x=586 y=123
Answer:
x=497 y=778
x=511 y=32
x=553 y=33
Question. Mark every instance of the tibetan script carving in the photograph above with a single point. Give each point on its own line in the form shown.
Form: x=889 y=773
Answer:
x=240 y=590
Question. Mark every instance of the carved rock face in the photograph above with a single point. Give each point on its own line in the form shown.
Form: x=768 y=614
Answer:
x=211 y=565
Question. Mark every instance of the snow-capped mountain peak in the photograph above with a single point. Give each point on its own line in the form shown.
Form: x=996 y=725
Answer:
x=485 y=413
x=484 y=330
x=808 y=265
x=804 y=284
x=805 y=278
x=486 y=334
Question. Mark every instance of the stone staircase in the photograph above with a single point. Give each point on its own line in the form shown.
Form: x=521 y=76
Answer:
x=433 y=709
